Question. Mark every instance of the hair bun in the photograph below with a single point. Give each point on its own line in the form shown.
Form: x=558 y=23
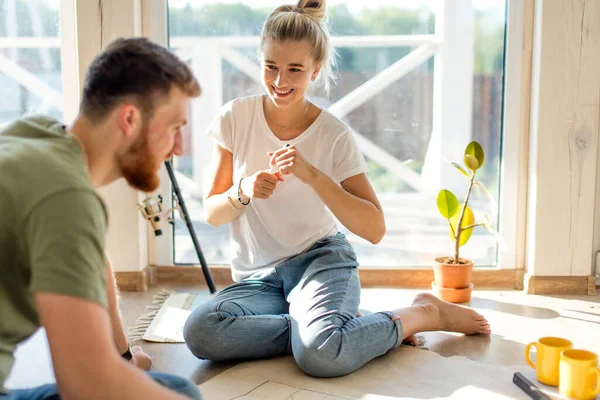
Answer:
x=313 y=8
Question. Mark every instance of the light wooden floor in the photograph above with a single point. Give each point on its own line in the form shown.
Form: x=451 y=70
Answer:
x=515 y=318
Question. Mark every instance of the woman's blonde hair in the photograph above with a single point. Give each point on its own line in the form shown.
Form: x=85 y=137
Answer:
x=305 y=21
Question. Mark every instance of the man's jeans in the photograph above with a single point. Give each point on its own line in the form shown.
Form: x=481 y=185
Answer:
x=50 y=392
x=305 y=306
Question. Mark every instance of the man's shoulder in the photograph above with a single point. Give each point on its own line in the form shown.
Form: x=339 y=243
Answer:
x=32 y=126
x=39 y=160
x=32 y=137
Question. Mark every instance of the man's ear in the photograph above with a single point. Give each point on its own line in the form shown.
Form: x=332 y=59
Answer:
x=129 y=119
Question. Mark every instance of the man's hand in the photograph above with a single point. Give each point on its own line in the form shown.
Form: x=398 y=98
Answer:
x=140 y=359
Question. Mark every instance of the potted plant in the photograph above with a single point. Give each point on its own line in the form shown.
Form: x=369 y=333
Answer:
x=453 y=274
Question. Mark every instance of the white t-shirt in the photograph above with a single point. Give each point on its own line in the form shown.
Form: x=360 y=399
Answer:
x=271 y=231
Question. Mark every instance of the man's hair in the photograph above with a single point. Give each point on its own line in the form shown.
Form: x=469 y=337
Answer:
x=137 y=70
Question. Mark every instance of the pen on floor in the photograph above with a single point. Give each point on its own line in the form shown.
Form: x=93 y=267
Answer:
x=529 y=387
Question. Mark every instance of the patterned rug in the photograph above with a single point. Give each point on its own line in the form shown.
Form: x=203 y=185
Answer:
x=166 y=317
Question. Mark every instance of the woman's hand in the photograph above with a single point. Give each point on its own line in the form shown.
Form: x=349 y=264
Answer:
x=259 y=186
x=290 y=161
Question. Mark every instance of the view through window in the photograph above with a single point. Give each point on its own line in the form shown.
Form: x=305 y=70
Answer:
x=30 y=64
x=411 y=100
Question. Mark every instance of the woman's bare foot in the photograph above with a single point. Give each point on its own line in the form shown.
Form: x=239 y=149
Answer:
x=411 y=341
x=455 y=318
x=415 y=341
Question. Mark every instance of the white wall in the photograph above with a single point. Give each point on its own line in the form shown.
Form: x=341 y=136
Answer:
x=563 y=146
x=97 y=24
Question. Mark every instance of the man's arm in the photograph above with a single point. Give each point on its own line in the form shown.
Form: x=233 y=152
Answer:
x=86 y=363
x=113 y=309
x=140 y=359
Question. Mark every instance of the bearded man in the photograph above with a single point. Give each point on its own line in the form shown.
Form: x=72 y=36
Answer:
x=53 y=272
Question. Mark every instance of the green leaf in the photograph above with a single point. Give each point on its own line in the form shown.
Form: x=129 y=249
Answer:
x=471 y=162
x=468 y=219
x=491 y=198
x=474 y=156
x=461 y=169
x=447 y=203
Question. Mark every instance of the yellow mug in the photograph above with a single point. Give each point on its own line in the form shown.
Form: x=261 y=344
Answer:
x=579 y=375
x=548 y=358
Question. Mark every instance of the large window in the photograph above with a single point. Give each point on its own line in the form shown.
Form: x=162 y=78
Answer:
x=30 y=64
x=417 y=81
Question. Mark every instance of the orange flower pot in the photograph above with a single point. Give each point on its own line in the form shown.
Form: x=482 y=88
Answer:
x=453 y=295
x=452 y=276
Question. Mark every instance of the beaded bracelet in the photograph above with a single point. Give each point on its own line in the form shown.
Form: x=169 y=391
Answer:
x=240 y=194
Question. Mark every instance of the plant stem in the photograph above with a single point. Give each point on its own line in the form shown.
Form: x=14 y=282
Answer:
x=452 y=229
x=472 y=226
x=460 y=219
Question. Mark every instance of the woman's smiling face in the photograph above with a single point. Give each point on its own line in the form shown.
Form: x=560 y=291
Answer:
x=288 y=69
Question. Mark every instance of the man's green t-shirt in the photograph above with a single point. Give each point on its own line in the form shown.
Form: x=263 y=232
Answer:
x=52 y=227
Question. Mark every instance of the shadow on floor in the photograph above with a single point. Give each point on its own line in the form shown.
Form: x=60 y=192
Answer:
x=584 y=312
x=579 y=319
x=515 y=309
x=493 y=349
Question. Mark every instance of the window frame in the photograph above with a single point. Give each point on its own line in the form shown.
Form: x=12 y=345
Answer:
x=513 y=173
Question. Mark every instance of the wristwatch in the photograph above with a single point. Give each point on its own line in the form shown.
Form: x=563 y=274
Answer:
x=127 y=355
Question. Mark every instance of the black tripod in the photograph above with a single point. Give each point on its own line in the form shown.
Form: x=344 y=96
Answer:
x=188 y=222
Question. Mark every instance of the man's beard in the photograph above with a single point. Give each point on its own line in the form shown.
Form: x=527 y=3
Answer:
x=139 y=166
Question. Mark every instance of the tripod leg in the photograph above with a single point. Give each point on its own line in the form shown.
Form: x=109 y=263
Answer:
x=188 y=222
